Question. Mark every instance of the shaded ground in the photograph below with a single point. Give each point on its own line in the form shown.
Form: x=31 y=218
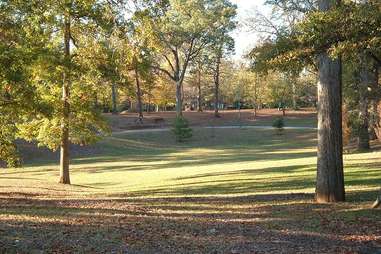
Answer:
x=225 y=191
x=304 y=117
x=252 y=224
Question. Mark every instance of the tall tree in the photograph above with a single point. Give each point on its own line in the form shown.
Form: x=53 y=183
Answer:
x=320 y=36
x=198 y=71
x=216 y=77
x=141 y=57
x=181 y=30
x=330 y=174
x=72 y=116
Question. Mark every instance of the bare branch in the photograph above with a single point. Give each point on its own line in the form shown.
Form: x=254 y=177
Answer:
x=163 y=71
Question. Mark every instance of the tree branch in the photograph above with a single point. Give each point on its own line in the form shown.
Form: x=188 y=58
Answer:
x=164 y=71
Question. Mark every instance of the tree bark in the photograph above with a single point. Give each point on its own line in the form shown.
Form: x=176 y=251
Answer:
x=374 y=125
x=65 y=123
x=255 y=96
x=199 y=97
x=138 y=93
x=217 y=86
x=330 y=174
x=179 y=99
x=113 y=98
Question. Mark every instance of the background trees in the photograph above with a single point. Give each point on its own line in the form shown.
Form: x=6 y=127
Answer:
x=181 y=30
x=58 y=36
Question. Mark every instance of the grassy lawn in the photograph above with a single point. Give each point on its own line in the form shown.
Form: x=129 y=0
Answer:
x=225 y=191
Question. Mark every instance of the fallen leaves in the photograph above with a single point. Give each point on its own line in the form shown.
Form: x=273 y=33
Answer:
x=190 y=225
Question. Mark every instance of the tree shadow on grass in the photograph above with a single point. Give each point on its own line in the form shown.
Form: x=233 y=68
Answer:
x=263 y=223
x=160 y=146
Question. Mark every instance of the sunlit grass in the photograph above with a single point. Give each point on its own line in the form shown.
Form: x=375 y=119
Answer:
x=222 y=189
x=216 y=162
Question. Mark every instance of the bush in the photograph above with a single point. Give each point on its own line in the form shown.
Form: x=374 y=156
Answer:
x=181 y=129
x=278 y=124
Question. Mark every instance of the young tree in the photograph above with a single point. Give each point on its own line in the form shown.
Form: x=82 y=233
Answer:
x=198 y=70
x=223 y=44
x=140 y=57
x=72 y=116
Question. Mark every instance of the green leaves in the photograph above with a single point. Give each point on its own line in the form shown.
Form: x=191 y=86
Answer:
x=345 y=30
x=32 y=68
x=181 y=129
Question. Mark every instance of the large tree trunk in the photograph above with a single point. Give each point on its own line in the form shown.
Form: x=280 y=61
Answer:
x=330 y=175
x=138 y=94
x=179 y=99
x=113 y=98
x=64 y=148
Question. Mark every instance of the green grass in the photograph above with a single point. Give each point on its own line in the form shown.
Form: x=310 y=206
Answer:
x=224 y=191
x=289 y=121
x=219 y=162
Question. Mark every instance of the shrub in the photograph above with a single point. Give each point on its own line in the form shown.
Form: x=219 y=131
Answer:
x=181 y=129
x=278 y=124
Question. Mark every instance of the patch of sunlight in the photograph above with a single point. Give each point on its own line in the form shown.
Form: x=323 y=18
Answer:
x=293 y=151
x=237 y=164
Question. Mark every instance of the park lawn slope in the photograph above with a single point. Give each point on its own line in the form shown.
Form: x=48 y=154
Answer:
x=224 y=191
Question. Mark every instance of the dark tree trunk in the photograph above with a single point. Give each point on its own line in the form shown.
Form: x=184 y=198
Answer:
x=64 y=147
x=149 y=103
x=294 y=99
x=138 y=93
x=216 y=99
x=374 y=125
x=365 y=80
x=199 y=97
x=255 y=99
x=217 y=87
x=179 y=99
x=113 y=98
x=330 y=175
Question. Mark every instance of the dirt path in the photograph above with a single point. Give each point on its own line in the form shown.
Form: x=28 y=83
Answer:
x=227 y=118
x=215 y=127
